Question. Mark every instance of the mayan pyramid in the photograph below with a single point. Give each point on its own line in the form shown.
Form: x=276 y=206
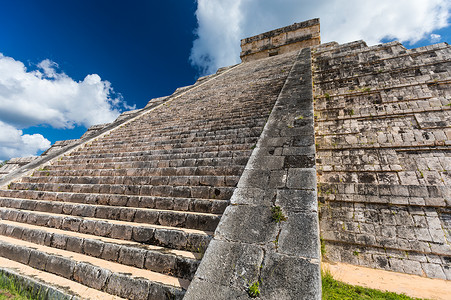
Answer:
x=242 y=179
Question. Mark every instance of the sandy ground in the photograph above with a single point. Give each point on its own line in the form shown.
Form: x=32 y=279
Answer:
x=411 y=285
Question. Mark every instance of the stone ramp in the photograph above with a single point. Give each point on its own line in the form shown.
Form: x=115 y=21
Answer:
x=131 y=210
x=255 y=248
x=383 y=145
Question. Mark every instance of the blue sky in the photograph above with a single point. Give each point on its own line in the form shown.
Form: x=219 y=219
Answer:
x=66 y=65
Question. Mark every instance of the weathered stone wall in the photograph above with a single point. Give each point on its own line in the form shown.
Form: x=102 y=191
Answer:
x=282 y=40
x=383 y=135
x=14 y=164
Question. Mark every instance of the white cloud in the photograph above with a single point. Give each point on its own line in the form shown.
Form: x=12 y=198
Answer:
x=222 y=23
x=435 y=38
x=46 y=96
x=13 y=143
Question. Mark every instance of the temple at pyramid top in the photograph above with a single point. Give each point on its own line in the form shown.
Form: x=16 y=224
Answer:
x=281 y=40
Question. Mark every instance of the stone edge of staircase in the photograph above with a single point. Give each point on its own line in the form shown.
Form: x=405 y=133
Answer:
x=249 y=247
x=48 y=159
x=36 y=288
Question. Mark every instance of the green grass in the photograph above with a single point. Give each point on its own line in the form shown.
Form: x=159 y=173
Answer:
x=10 y=290
x=277 y=214
x=336 y=290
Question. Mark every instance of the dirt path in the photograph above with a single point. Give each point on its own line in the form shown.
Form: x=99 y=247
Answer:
x=411 y=285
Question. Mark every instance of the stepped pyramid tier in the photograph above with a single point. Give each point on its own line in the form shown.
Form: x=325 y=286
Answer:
x=383 y=134
x=238 y=185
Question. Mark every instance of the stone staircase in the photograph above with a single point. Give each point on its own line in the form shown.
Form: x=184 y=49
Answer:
x=131 y=211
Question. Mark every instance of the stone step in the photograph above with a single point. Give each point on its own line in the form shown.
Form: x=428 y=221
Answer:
x=194 y=147
x=255 y=121
x=169 y=144
x=170 y=171
x=213 y=206
x=217 y=134
x=175 y=163
x=51 y=286
x=247 y=113
x=129 y=151
x=181 y=264
x=112 y=278
x=159 y=155
x=205 y=192
x=187 y=138
x=214 y=181
x=191 y=220
x=164 y=236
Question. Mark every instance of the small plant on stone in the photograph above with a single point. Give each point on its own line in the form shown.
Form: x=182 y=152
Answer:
x=355 y=253
x=323 y=246
x=421 y=173
x=277 y=214
x=327 y=96
x=254 y=290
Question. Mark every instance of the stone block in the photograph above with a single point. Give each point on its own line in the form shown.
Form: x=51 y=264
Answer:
x=253 y=178
x=91 y=276
x=146 y=216
x=171 y=238
x=123 y=232
x=71 y=224
x=158 y=291
x=253 y=196
x=303 y=141
x=172 y=219
x=132 y=256
x=286 y=277
x=111 y=251
x=74 y=244
x=201 y=289
x=433 y=270
x=249 y=224
x=300 y=235
x=297 y=200
x=102 y=228
x=127 y=287
x=185 y=268
x=413 y=267
x=301 y=178
x=60 y=266
x=93 y=247
x=143 y=234
x=59 y=241
x=160 y=262
x=231 y=264
x=38 y=259
x=87 y=226
x=299 y=161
